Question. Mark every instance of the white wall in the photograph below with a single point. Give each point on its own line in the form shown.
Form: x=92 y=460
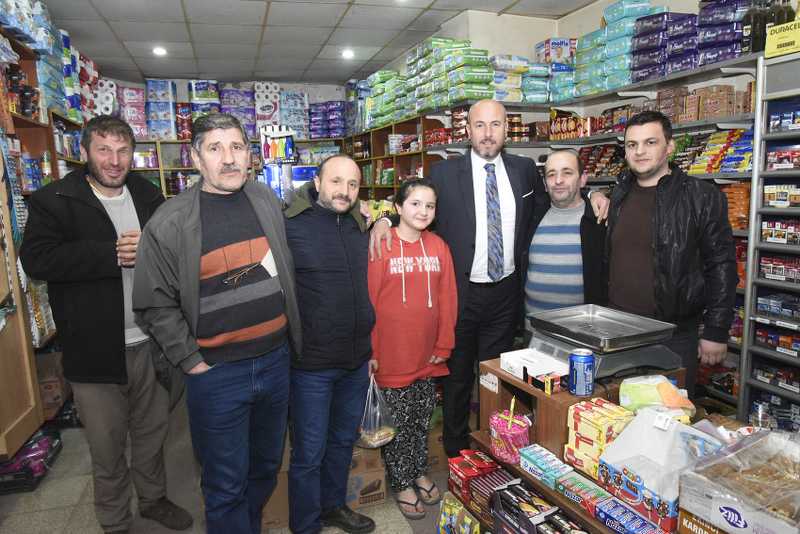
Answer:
x=588 y=18
x=508 y=34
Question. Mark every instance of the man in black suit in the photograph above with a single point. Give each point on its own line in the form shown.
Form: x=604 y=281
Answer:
x=484 y=212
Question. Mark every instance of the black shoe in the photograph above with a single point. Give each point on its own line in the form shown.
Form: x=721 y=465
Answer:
x=347 y=520
x=168 y=514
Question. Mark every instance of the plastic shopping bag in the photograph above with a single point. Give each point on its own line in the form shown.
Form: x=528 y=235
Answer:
x=377 y=425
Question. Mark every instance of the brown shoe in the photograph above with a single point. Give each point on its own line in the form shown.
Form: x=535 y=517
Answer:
x=168 y=514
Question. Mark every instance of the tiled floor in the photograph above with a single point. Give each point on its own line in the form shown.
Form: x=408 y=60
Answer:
x=62 y=504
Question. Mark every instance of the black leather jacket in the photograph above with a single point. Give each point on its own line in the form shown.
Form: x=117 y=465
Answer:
x=693 y=252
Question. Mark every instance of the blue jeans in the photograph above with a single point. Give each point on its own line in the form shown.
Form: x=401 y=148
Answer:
x=237 y=417
x=327 y=406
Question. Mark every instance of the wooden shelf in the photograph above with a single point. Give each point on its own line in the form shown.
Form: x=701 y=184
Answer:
x=70 y=160
x=720 y=395
x=69 y=122
x=570 y=508
x=185 y=169
x=320 y=140
x=21 y=121
x=144 y=169
x=411 y=153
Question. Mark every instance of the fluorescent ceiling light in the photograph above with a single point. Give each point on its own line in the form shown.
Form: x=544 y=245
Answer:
x=160 y=51
x=348 y=53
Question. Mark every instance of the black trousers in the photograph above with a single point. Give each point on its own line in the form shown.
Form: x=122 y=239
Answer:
x=684 y=343
x=485 y=328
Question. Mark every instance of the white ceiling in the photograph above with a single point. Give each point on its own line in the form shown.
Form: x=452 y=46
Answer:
x=256 y=39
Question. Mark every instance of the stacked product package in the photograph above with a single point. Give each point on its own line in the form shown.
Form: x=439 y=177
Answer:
x=104 y=98
x=664 y=43
x=89 y=76
x=380 y=106
x=203 y=97
x=294 y=112
x=592 y=425
x=50 y=75
x=590 y=66
x=727 y=149
x=557 y=56
x=327 y=119
x=508 y=78
x=267 y=103
x=356 y=93
x=69 y=65
x=469 y=73
x=238 y=99
x=160 y=109
x=131 y=101
x=17 y=16
x=720 y=30
x=46 y=39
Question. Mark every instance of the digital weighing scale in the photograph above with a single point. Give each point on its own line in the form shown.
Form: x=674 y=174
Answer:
x=620 y=341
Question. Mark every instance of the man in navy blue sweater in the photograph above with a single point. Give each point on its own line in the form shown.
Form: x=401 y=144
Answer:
x=329 y=378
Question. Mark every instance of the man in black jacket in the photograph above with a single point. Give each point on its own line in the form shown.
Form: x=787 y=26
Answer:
x=329 y=378
x=566 y=252
x=82 y=237
x=670 y=249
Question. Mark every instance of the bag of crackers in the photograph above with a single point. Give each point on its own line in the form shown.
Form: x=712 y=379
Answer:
x=377 y=426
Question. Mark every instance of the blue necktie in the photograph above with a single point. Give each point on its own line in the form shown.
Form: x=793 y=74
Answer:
x=494 y=225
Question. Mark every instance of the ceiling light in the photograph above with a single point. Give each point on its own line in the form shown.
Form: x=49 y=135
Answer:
x=160 y=51
x=348 y=53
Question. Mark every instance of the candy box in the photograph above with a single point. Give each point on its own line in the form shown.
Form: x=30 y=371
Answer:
x=619 y=518
x=582 y=491
x=516 y=508
x=580 y=460
x=508 y=434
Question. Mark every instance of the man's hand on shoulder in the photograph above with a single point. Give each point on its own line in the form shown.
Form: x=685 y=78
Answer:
x=600 y=204
x=381 y=232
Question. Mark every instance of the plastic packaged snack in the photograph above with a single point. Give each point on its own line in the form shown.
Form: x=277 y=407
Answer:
x=626 y=8
x=377 y=424
x=621 y=28
x=589 y=72
x=681 y=45
x=535 y=97
x=719 y=53
x=619 y=46
x=673 y=23
x=720 y=34
x=592 y=39
x=506 y=80
x=508 y=95
x=473 y=57
x=650 y=41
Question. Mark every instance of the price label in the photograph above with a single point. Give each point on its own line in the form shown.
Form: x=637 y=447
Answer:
x=662 y=421
x=762 y=320
x=790 y=387
x=787 y=351
x=490 y=382
x=790 y=326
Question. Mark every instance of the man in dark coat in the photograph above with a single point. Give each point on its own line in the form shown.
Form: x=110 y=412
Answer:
x=82 y=236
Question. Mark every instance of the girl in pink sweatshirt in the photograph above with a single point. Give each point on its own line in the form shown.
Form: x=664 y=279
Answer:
x=413 y=291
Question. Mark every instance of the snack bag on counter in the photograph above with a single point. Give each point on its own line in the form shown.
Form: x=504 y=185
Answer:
x=377 y=424
x=653 y=392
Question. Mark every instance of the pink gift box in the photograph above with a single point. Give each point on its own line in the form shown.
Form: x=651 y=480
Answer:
x=506 y=442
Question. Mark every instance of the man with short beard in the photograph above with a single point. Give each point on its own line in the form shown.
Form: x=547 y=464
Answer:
x=214 y=285
x=82 y=238
x=328 y=238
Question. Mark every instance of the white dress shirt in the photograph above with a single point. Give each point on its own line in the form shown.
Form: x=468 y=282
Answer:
x=508 y=217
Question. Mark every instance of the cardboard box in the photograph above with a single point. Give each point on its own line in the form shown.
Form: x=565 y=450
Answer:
x=366 y=488
x=688 y=523
x=437 y=458
x=365 y=460
x=276 y=511
x=53 y=387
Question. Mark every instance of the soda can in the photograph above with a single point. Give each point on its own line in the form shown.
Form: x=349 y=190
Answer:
x=581 y=372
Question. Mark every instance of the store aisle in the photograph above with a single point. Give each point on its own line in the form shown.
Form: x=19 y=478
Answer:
x=62 y=504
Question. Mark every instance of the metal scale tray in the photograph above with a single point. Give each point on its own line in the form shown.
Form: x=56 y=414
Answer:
x=601 y=329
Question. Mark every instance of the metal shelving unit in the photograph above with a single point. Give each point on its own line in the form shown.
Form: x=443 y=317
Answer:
x=776 y=79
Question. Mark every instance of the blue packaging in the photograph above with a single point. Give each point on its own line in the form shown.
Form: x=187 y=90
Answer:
x=581 y=372
x=618 y=47
x=160 y=90
x=626 y=8
x=673 y=23
x=681 y=45
x=621 y=28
